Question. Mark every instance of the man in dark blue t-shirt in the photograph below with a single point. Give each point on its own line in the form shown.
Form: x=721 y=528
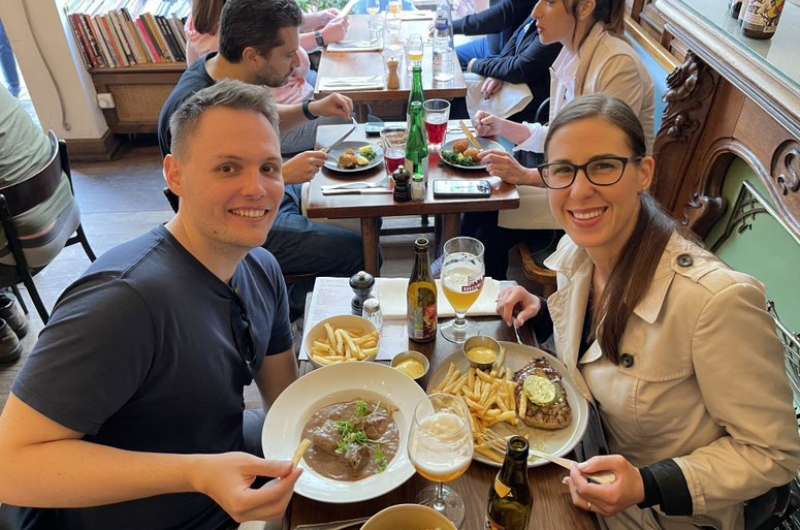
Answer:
x=129 y=411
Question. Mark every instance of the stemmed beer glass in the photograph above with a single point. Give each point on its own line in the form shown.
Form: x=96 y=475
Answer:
x=462 y=281
x=440 y=447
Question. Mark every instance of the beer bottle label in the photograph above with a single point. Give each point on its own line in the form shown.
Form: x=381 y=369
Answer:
x=491 y=525
x=423 y=313
x=501 y=489
x=763 y=14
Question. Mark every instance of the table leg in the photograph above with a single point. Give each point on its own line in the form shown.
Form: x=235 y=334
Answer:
x=370 y=234
x=451 y=227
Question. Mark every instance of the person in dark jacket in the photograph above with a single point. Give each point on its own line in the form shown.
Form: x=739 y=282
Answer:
x=498 y=23
x=524 y=59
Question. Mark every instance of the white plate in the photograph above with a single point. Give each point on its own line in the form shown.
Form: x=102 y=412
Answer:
x=333 y=384
x=485 y=144
x=558 y=442
x=332 y=162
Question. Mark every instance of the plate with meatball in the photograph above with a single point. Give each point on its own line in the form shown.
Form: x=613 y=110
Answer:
x=463 y=155
x=354 y=157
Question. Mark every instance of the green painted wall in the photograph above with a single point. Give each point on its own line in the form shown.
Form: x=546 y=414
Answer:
x=767 y=251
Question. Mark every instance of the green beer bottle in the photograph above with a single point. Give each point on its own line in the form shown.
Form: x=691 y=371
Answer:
x=510 y=497
x=417 y=141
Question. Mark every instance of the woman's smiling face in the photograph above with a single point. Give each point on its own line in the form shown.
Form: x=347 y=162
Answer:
x=597 y=217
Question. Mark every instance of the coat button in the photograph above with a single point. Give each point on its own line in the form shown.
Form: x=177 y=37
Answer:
x=626 y=360
x=685 y=260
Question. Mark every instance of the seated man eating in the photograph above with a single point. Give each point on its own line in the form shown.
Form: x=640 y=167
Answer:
x=129 y=412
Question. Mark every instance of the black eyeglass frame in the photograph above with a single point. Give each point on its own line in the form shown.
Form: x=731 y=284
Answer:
x=242 y=334
x=543 y=168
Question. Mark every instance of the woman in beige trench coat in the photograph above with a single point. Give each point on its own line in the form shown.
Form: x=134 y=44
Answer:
x=676 y=350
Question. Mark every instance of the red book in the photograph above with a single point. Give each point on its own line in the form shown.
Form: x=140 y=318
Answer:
x=144 y=31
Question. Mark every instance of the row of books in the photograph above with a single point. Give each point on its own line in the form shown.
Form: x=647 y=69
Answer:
x=167 y=8
x=116 y=38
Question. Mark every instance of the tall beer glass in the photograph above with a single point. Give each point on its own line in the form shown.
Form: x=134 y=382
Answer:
x=462 y=281
x=440 y=447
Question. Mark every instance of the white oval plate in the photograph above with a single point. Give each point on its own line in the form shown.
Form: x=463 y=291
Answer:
x=332 y=162
x=485 y=144
x=557 y=443
x=289 y=414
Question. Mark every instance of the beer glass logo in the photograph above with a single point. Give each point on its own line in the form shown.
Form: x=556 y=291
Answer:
x=474 y=285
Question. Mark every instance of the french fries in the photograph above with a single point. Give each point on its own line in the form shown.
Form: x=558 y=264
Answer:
x=300 y=451
x=343 y=345
x=491 y=400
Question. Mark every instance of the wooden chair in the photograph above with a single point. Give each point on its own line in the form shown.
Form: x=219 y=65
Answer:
x=20 y=198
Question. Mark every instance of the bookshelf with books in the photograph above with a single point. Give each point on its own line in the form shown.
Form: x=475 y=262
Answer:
x=134 y=52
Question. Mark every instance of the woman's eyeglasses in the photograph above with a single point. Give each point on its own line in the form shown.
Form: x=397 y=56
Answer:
x=603 y=171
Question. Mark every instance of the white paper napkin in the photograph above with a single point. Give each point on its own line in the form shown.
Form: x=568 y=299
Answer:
x=355 y=46
x=339 y=84
x=392 y=295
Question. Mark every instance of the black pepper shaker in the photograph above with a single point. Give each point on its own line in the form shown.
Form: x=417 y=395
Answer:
x=361 y=283
x=402 y=186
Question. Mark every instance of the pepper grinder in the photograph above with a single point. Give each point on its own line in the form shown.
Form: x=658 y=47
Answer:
x=361 y=283
x=393 y=78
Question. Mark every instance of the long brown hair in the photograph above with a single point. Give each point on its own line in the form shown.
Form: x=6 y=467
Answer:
x=634 y=270
x=205 y=15
x=610 y=12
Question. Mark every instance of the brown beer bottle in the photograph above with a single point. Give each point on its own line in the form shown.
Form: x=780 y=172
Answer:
x=421 y=307
x=761 y=18
x=510 y=498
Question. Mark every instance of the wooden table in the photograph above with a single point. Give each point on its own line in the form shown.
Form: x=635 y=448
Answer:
x=552 y=506
x=348 y=64
x=370 y=208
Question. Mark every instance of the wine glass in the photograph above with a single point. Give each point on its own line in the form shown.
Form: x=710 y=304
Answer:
x=440 y=447
x=462 y=281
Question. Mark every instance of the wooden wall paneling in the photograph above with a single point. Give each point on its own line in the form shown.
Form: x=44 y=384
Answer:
x=690 y=94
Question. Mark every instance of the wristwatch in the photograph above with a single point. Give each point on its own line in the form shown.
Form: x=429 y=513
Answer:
x=307 y=112
x=319 y=39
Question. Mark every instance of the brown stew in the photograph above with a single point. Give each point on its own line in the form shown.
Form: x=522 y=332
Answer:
x=351 y=440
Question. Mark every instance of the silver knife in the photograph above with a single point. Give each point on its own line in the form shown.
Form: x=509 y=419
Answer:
x=340 y=139
x=357 y=191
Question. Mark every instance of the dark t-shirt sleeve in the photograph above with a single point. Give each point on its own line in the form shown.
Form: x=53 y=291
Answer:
x=281 y=336
x=91 y=357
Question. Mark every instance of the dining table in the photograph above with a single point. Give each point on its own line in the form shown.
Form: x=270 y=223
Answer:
x=371 y=207
x=552 y=504
x=340 y=66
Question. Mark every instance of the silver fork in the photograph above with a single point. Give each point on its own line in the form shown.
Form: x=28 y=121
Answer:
x=357 y=185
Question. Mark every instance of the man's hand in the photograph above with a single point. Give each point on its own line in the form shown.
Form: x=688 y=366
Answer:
x=303 y=167
x=335 y=105
x=517 y=297
x=335 y=30
x=227 y=478
x=490 y=87
x=315 y=21
x=491 y=125
x=605 y=499
x=505 y=166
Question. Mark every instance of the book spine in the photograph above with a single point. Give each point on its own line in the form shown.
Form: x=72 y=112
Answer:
x=123 y=42
x=148 y=40
x=162 y=44
x=138 y=53
x=111 y=40
x=88 y=35
x=137 y=37
x=177 y=27
x=170 y=38
x=101 y=41
x=81 y=43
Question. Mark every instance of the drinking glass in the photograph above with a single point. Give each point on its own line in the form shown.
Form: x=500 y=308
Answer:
x=462 y=281
x=414 y=49
x=394 y=147
x=437 y=112
x=440 y=448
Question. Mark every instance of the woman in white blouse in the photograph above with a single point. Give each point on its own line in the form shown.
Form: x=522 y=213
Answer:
x=595 y=58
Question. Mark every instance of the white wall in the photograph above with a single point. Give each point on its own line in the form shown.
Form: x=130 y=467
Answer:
x=75 y=114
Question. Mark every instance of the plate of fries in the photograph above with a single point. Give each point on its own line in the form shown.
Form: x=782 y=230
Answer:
x=494 y=410
x=341 y=339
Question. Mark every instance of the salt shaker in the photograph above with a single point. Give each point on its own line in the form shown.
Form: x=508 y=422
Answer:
x=372 y=312
x=418 y=188
x=361 y=283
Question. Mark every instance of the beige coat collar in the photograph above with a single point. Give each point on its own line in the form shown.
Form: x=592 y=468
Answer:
x=568 y=304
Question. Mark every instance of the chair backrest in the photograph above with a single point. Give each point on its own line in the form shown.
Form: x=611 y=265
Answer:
x=24 y=195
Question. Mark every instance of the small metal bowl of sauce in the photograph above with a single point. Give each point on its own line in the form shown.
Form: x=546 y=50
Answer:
x=412 y=363
x=482 y=352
